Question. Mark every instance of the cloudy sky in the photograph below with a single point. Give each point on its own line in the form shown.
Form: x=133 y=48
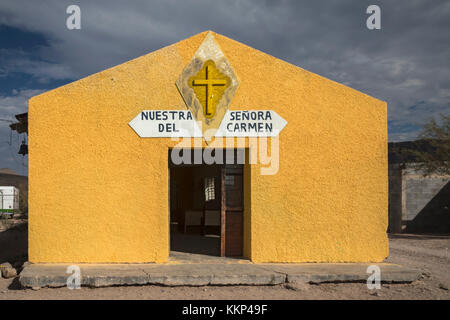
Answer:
x=406 y=63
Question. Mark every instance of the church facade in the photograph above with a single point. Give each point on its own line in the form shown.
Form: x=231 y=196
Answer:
x=211 y=147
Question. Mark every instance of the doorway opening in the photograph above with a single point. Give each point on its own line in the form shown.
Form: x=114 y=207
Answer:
x=206 y=208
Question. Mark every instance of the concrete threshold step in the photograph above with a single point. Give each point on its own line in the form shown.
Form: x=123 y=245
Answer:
x=103 y=275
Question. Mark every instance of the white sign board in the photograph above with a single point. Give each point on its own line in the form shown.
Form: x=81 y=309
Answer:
x=165 y=124
x=180 y=123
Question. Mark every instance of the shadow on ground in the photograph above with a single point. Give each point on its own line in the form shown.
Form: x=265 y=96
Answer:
x=195 y=243
x=14 y=244
x=418 y=236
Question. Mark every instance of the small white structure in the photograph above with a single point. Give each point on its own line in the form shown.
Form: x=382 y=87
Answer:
x=9 y=200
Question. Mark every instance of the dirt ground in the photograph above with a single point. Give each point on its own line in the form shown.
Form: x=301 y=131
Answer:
x=430 y=254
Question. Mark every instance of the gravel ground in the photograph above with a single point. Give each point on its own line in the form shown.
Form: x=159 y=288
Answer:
x=427 y=253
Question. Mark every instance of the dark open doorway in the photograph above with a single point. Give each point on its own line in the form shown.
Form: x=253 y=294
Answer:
x=206 y=208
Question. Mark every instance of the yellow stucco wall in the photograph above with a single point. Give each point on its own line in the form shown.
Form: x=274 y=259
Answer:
x=99 y=193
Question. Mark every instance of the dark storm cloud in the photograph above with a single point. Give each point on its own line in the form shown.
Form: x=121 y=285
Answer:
x=406 y=63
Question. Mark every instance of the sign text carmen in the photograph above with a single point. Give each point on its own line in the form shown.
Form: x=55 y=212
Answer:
x=250 y=121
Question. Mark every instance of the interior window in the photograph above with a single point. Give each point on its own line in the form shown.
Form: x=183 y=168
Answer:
x=210 y=193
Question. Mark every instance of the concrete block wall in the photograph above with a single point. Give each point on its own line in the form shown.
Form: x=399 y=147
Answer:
x=418 y=203
x=419 y=192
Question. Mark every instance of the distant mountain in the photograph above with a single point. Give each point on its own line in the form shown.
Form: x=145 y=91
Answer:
x=8 y=171
x=406 y=151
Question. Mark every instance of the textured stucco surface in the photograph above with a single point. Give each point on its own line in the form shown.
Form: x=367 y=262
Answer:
x=99 y=193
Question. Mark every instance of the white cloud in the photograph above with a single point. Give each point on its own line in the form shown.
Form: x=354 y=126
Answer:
x=16 y=103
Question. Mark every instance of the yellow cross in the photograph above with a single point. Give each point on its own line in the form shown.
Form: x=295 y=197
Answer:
x=209 y=84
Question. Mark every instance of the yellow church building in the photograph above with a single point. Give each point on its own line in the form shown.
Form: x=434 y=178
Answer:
x=207 y=147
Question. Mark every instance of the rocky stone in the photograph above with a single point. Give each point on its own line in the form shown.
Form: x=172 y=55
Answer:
x=376 y=293
x=7 y=270
x=444 y=286
x=297 y=286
